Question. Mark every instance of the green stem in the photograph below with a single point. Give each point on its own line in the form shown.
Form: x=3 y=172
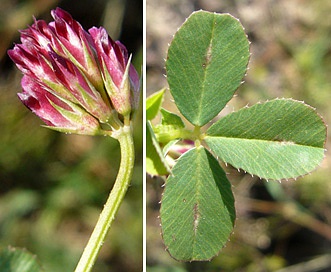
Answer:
x=115 y=199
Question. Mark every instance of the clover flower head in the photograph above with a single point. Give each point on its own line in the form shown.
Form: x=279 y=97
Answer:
x=72 y=81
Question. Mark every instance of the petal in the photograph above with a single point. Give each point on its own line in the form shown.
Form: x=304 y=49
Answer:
x=55 y=112
x=37 y=99
x=109 y=57
x=76 y=43
x=32 y=64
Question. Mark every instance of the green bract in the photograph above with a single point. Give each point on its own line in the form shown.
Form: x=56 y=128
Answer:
x=155 y=161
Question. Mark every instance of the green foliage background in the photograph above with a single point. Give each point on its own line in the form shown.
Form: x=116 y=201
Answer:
x=278 y=225
x=53 y=186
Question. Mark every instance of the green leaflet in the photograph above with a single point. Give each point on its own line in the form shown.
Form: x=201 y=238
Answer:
x=279 y=139
x=206 y=63
x=197 y=210
x=18 y=260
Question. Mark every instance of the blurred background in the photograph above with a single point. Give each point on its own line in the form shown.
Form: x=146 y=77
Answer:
x=53 y=186
x=282 y=227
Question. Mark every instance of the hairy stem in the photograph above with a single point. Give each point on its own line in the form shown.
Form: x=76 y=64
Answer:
x=115 y=199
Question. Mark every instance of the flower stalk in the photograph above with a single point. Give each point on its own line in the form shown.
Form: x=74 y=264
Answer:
x=89 y=256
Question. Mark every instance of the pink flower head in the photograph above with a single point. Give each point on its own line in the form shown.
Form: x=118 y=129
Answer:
x=63 y=83
x=121 y=78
